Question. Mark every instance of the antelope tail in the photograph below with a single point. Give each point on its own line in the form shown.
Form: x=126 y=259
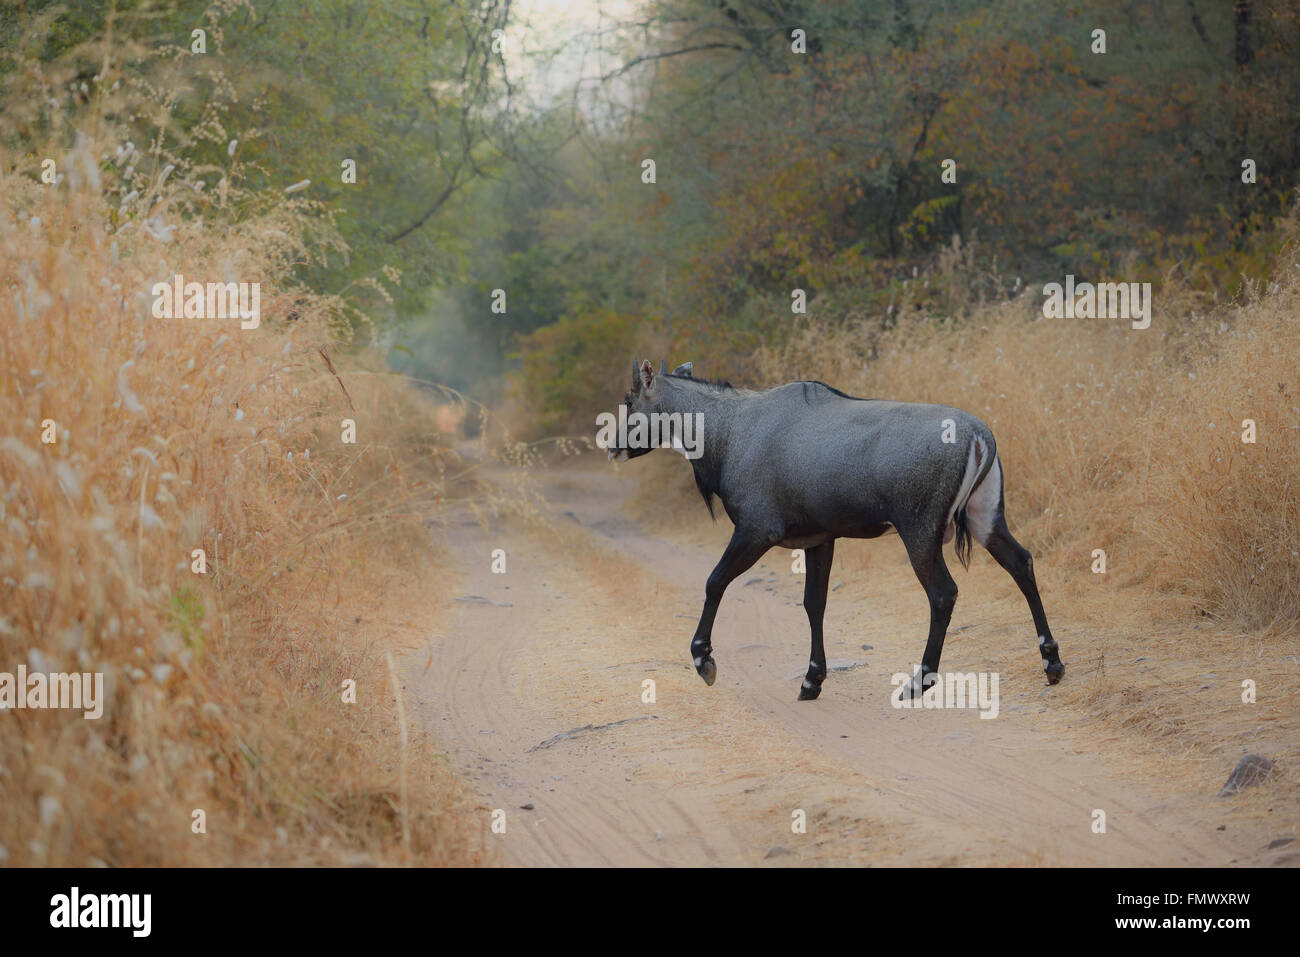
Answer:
x=978 y=462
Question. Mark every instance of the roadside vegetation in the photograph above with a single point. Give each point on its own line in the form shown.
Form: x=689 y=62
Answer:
x=180 y=510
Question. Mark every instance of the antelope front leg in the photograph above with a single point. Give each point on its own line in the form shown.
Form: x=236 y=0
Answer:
x=742 y=551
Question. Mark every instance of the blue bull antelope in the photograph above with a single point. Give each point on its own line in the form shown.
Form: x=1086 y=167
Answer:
x=804 y=464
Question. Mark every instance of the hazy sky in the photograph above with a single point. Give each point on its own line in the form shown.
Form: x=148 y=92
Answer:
x=564 y=28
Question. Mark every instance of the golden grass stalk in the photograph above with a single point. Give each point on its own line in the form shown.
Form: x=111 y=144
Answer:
x=127 y=444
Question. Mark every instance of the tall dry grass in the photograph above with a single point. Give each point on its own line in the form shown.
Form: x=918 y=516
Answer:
x=224 y=689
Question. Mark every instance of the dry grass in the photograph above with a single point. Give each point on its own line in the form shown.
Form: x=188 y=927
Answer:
x=224 y=689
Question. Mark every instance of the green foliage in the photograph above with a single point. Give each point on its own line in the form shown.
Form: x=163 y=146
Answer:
x=571 y=368
x=822 y=170
x=185 y=611
x=407 y=90
x=776 y=170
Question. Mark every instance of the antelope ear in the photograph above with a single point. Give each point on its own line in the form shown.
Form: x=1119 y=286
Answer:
x=647 y=374
x=684 y=369
x=663 y=367
x=636 y=373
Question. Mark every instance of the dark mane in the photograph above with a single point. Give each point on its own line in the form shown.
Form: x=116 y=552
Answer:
x=813 y=387
x=706 y=479
x=715 y=385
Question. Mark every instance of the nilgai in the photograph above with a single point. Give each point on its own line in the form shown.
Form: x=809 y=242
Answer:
x=804 y=464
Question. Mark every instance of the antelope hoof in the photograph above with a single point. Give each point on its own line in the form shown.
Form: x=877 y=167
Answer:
x=914 y=689
x=1052 y=665
x=707 y=669
x=809 y=691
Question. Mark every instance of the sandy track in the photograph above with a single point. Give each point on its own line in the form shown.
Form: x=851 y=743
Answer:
x=534 y=687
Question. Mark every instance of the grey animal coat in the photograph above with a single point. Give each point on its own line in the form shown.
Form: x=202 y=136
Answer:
x=803 y=464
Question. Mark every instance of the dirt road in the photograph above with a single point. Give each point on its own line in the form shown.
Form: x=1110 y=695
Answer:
x=534 y=685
